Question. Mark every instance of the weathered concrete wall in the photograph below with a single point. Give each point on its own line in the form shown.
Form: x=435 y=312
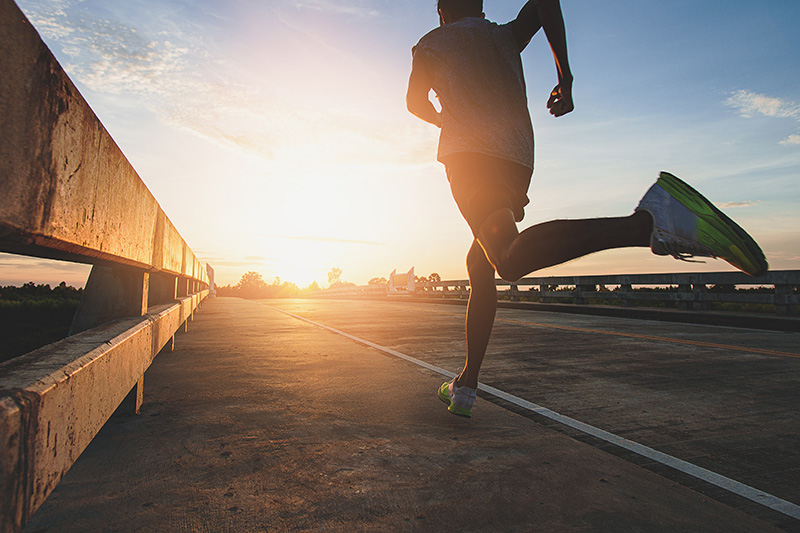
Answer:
x=53 y=401
x=67 y=190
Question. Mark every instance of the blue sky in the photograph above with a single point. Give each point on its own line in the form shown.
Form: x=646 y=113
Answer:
x=275 y=136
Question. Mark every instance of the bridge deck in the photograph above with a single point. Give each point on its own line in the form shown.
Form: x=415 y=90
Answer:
x=261 y=421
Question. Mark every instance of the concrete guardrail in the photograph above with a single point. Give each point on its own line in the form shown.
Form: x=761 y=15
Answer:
x=691 y=291
x=67 y=192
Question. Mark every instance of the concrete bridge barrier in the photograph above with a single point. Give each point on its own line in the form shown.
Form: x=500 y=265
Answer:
x=690 y=290
x=68 y=193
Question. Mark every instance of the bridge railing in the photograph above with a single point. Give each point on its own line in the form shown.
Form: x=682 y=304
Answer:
x=691 y=291
x=68 y=193
x=687 y=290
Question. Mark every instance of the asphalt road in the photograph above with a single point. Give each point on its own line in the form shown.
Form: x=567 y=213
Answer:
x=261 y=421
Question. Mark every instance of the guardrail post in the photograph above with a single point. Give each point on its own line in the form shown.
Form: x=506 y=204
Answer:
x=110 y=293
x=781 y=299
x=698 y=290
x=685 y=295
x=183 y=287
x=580 y=289
x=163 y=288
x=627 y=294
x=14 y=510
x=513 y=292
x=542 y=290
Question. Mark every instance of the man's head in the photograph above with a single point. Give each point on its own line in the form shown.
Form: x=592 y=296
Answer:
x=453 y=10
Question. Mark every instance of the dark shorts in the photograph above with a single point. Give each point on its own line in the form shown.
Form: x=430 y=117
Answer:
x=482 y=184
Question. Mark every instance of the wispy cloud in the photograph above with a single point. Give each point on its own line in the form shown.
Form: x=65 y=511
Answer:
x=750 y=104
x=324 y=239
x=362 y=8
x=234 y=263
x=179 y=74
x=734 y=205
x=791 y=139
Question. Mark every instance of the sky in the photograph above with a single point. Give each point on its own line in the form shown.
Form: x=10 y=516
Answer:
x=275 y=136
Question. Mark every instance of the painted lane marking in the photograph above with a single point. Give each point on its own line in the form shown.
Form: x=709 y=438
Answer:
x=768 y=500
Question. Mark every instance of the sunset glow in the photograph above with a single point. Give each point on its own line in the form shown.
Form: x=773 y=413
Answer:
x=276 y=137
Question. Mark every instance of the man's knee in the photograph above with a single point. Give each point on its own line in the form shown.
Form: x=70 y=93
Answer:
x=507 y=270
x=478 y=266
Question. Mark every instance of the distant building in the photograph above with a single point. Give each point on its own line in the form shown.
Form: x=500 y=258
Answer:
x=401 y=282
x=212 y=288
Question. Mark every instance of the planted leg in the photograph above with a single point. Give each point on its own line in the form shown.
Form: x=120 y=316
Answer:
x=481 y=310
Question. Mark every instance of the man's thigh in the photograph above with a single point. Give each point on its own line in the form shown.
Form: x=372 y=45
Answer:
x=483 y=184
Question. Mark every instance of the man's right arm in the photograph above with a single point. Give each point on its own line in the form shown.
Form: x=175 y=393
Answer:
x=417 y=98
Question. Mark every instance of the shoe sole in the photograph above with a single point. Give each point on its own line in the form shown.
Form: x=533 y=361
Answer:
x=742 y=250
x=453 y=408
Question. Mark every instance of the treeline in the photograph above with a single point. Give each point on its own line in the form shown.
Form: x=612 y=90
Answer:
x=252 y=286
x=32 y=316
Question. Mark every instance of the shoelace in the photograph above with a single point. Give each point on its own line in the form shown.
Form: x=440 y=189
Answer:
x=683 y=250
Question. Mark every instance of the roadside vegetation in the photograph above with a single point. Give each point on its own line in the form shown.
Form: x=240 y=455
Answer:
x=33 y=316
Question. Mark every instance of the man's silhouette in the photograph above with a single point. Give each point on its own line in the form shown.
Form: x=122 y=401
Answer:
x=486 y=144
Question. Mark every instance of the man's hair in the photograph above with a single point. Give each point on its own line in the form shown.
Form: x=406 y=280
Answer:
x=458 y=9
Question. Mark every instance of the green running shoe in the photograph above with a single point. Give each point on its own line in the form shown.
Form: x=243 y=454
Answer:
x=459 y=399
x=686 y=224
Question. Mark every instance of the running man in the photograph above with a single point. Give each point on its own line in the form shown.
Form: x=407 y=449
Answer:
x=486 y=145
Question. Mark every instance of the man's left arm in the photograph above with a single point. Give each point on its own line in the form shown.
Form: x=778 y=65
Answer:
x=419 y=87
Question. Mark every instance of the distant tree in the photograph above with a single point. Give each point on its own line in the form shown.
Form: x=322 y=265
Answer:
x=251 y=285
x=227 y=290
x=335 y=276
x=378 y=281
x=313 y=287
x=435 y=277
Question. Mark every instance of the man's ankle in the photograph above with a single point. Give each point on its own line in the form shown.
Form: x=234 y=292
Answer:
x=462 y=381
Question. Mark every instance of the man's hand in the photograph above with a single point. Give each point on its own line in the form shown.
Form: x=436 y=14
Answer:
x=560 y=102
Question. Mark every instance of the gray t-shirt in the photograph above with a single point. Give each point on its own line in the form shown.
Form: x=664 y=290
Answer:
x=477 y=74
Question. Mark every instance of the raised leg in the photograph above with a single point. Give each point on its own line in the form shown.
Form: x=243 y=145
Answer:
x=515 y=254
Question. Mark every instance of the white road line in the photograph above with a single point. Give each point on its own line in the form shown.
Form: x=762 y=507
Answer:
x=746 y=491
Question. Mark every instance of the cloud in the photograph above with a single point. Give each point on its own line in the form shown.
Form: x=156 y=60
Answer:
x=108 y=56
x=750 y=104
x=361 y=8
x=179 y=69
x=733 y=205
x=233 y=263
x=324 y=239
x=791 y=139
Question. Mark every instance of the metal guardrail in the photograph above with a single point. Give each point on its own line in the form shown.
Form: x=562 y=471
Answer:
x=691 y=291
x=67 y=192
